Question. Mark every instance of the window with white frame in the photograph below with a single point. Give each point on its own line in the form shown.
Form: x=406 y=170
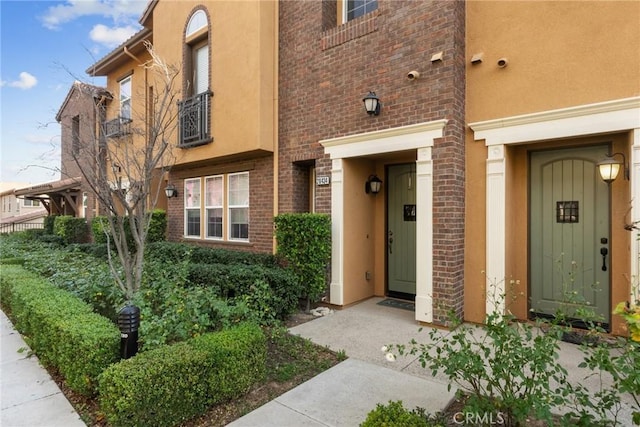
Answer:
x=239 y=206
x=223 y=211
x=125 y=98
x=192 y=207
x=356 y=8
x=214 y=206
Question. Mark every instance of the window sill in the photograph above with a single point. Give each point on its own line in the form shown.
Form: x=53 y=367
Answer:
x=350 y=30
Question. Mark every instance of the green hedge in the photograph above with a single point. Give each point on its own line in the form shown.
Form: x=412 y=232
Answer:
x=172 y=251
x=71 y=229
x=304 y=241
x=62 y=330
x=239 y=280
x=156 y=233
x=171 y=384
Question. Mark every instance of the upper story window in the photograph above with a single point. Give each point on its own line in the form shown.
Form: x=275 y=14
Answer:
x=197 y=40
x=195 y=108
x=356 y=8
x=75 y=135
x=31 y=203
x=125 y=98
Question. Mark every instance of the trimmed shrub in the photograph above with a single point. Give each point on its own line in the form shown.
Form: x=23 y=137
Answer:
x=49 y=221
x=394 y=415
x=304 y=241
x=71 y=229
x=172 y=384
x=238 y=280
x=62 y=330
x=158 y=226
x=156 y=233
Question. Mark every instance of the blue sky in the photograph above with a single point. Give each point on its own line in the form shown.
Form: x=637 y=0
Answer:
x=44 y=47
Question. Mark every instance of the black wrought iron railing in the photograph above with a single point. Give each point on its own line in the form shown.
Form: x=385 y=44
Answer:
x=195 y=120
x=117 y=127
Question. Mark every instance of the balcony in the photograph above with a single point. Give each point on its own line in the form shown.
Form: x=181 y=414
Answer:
x=117 y=127
x=195 y=120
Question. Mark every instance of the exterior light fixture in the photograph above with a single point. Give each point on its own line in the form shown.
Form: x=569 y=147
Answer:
x=372 y=104
x=373 y=185
x=171 y=191
x=610 y=167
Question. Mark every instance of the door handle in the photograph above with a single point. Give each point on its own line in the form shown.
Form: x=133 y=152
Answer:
x=604 y=252
x=390 y=240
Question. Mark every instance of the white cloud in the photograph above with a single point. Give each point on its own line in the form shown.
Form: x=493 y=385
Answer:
x=119 y=11
x=26 y=81
x=111 y=37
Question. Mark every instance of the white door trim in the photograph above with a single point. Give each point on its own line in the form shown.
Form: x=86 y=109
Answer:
x=604 y=117
x=418 y=137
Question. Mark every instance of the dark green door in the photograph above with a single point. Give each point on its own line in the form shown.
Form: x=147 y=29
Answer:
x=569 y=233
x=401 y=231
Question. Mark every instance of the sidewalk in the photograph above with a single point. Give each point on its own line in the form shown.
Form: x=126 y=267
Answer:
x=28 y=395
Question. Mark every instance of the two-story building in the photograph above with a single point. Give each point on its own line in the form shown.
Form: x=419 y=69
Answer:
x=456 y=145
x=223 y=159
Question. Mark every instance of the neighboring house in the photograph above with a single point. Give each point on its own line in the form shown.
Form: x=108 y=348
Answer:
x=554 y=88
x=493 y=118
x=19 y=213
x=78 y=117
x=227 y=100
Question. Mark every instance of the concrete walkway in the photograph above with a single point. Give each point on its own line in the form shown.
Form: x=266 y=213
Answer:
x=340 y=396
x=28 y=395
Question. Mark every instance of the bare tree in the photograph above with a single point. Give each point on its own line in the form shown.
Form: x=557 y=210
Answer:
x=126 y=168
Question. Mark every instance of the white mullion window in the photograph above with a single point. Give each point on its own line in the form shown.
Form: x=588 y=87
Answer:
x=192 y=207
x=214 y=206
x=125 y=98
x=238 y=196
x=356 y=8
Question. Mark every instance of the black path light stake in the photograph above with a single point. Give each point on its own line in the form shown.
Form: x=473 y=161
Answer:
x=129 y=322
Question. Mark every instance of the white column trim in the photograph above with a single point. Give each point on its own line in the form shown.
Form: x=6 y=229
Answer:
x=418 y=137
x=590 y=119
x=634 y=164
x=496 y=230
x=336 y=289
x=424 y=238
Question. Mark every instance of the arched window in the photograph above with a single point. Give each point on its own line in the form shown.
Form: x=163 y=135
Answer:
x=197 y=44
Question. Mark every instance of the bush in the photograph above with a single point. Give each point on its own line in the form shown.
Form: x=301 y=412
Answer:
x=61 y=329
x=394 y=415
x=304 y=241
x=156 y=233
x=49 y=222
x=238 y=280
x=71 y=229
x=158 y=226
x=171 y=384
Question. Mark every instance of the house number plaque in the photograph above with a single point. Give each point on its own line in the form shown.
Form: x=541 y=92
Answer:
x=323 y=180
x=409 y=212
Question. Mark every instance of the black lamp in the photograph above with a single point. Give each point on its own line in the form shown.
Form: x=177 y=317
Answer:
x=610 y=167
x=171 y=191
x=372 y=104
x=373 y=185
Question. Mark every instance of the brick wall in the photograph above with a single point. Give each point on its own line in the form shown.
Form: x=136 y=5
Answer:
x=260 y=202
x=326 y=70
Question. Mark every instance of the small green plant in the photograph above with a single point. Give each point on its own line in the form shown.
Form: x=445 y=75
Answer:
x=394 y=414
x=504 y=366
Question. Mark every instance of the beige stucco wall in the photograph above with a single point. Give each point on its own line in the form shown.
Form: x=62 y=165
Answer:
x=560 y=54
x=242 y=67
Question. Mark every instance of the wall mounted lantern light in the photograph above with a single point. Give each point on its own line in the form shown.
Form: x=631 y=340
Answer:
x=373 y=185
x=171 y=191
x=372 y=104
x=610 y=167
